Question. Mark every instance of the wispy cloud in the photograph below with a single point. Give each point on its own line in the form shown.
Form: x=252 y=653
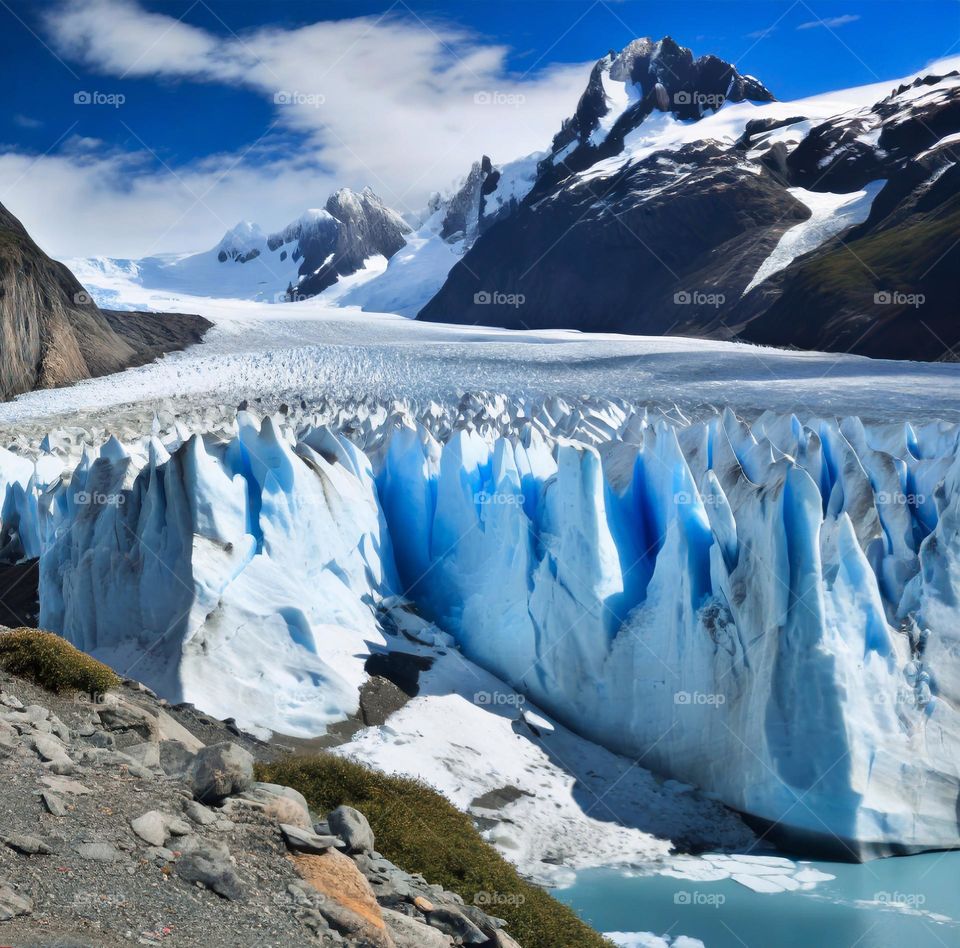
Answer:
x=831 y=22
x=761 y=34
x=398 y=103
x=26 y=121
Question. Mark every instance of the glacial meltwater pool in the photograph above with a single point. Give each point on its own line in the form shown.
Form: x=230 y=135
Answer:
x=908 y=902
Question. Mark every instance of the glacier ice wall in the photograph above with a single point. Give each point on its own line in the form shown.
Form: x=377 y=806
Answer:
x=237 y=574
x=768 y=611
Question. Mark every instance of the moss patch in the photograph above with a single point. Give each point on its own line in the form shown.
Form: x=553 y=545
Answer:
x=53 y=663
x=420 y=831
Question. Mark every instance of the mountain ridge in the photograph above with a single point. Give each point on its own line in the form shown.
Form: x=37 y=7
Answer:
x=674 y=209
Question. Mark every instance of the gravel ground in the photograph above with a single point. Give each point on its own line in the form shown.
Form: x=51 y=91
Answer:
x=85 y=785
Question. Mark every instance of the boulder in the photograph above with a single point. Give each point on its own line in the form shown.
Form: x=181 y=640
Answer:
x=151 y=827
x=457 y=925
x=146 y=754
x=98 y=852
x=172 y=730
x=348 y=903
x=304 y=841
x=176 y=758
x=283 y=804
x=221 y=770
x=55 y=806
x=209 y=864
x=27 y=845
x=411 y=933
x=352 y=827
x=13 y=904
x=199 y=813
x=123 y=717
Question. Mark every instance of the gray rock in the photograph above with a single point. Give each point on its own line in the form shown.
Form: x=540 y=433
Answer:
x=178 y=827
x=11 y=701
x=48 y=747
x=279 y=790
x=36 y=713
x=98 y=852
x=199 y=813
x=146 y=754
x=409 y=932
x=60 y=729
x=151 y=827
x=283 y=804
x=176 y=759
x=209 y=864
x=502 y=940
x=13 y=904
x=101 y=739
x=352 y=827
x=457 y=925
x=221 y=770
x=132 y=766
x=127 y=718
x=63 y=785
x=27 y=845
x=53 y=803
x=63 y=766
x=299 y=840
x=160 y=854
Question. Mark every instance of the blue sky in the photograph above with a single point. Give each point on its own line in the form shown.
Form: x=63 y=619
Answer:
x=186 y=135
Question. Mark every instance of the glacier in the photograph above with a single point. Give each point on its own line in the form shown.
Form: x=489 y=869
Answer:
x=764 y=609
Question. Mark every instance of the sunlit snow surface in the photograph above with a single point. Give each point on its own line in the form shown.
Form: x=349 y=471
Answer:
x=304 y=350
x=829 y=215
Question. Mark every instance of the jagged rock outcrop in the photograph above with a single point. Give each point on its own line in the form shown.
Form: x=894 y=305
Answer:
x=338 y=240
x=655 y=76
x=51 y=332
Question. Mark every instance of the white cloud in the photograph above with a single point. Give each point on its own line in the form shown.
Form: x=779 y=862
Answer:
x=27 y=121
x=389 y=102
x=831 y=21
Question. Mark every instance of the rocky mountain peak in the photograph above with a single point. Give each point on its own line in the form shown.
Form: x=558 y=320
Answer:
x=241 y=243
x=625 y=88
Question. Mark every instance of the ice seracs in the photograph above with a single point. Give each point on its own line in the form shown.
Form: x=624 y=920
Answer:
x=765 y=611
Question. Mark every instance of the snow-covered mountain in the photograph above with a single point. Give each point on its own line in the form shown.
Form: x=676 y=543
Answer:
x=681 y=198
x=352 y=232
x=450 y=226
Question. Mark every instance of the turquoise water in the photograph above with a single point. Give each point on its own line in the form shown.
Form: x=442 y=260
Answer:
x=888 y=903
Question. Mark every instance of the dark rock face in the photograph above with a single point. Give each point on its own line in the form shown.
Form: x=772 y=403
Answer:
x=888 y=290
x=464 y=208
x=51 y=332
x=597 y=258
x=336 y=242
x=615 y=239
x=664 y=77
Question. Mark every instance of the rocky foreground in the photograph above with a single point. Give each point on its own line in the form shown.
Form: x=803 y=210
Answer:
x=124 y=820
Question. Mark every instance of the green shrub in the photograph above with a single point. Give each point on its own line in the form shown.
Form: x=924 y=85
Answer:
x=53 y=663
x=420 y=831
